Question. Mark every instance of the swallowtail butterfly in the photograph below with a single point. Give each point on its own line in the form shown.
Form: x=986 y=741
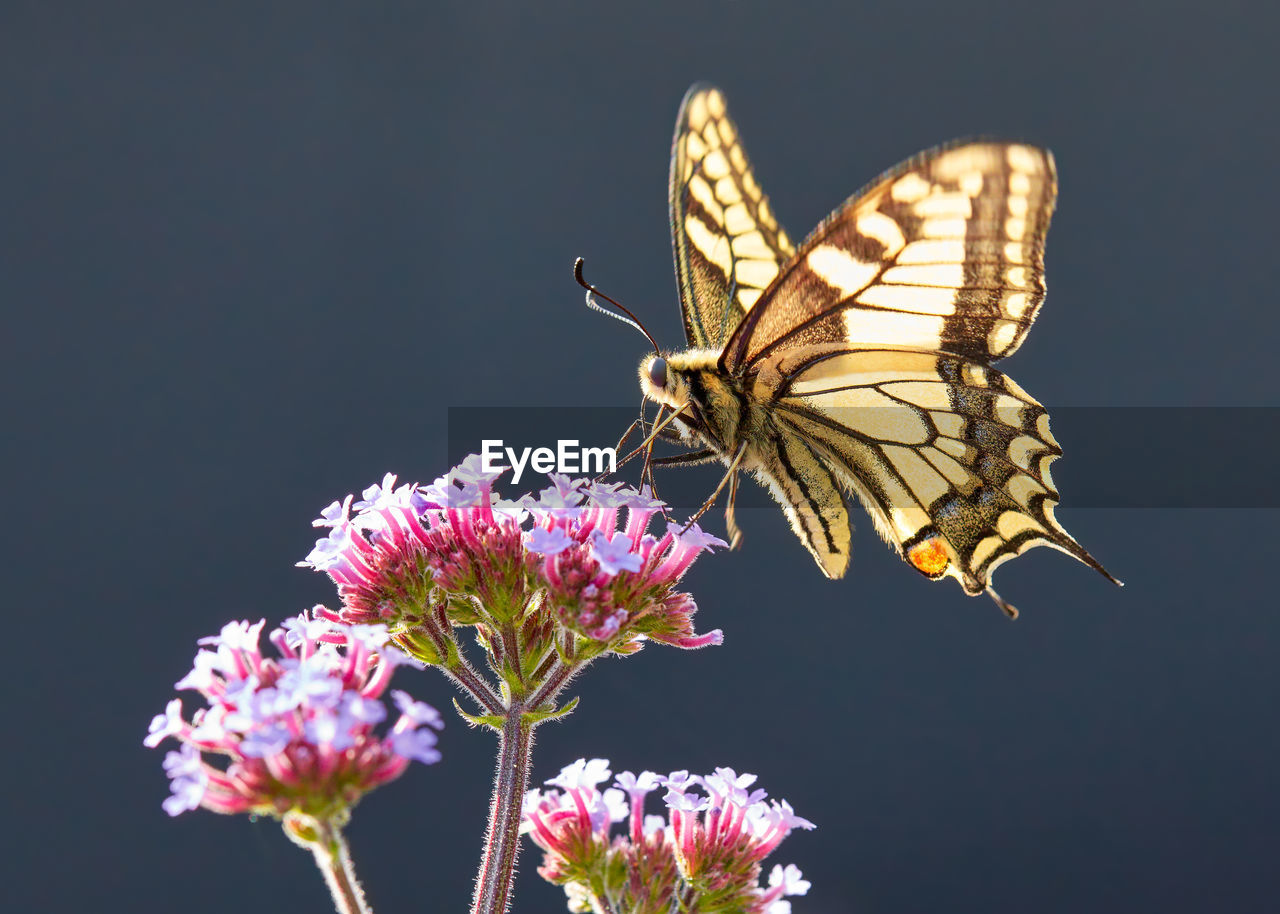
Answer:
x=859 y=362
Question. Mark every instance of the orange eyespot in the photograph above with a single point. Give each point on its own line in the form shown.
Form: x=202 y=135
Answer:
x=929 y=557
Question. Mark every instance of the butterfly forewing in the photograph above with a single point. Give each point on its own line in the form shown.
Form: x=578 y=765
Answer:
x=943 y=253
x=728 y=245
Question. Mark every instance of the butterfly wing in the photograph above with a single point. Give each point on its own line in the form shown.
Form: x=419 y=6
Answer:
x=804 y=482
x=942 y=253
x=948 y=455
x=728 y=245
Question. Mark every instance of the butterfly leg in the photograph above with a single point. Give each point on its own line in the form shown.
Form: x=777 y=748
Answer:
x=635 y=423
x=693 y=458
x=647 y=472
x=730 y=476
x=659 y=431
x=648 y=463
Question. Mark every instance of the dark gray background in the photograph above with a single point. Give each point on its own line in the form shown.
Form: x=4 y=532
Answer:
x=249 y=254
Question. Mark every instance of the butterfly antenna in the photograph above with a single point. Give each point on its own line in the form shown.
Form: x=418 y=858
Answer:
x=596 y=306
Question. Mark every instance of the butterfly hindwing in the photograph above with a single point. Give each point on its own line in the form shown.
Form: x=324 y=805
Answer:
x=943 y=253
x=949 y=456
x=803 y=483
x=728 y=245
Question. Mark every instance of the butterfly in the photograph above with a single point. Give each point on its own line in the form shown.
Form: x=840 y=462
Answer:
x=859 y=362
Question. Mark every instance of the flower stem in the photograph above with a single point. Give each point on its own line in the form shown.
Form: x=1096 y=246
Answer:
x=454 y=664
x=502 y=841
x=329 y=848
x=552 y=682
x=469 y=681
x=511 y=649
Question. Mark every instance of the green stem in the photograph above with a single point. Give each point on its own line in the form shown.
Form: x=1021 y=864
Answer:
x=558 y=676
x=469 y=680
x=502 y=841
x=555 y=680
x=511 y=648
x=329 y=848
x=454 y=665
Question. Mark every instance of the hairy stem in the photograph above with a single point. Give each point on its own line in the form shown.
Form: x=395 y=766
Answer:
x=558 y=676
x=454 y=664
x=512 y=649
x=555 y=680
x=329 y=848
x=502 y=841
x=465 y=675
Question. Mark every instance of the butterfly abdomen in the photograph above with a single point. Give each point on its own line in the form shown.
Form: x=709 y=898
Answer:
x=737 y=420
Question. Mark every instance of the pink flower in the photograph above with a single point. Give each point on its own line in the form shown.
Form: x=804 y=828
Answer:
x=298 y=730
x=708 y=853
x=455 y=543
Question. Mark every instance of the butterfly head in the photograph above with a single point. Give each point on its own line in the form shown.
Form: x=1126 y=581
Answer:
x=680 y=380
x=662 y=383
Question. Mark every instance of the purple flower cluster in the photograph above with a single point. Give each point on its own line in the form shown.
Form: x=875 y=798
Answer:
x=568 y=550
x=707 y=852
x=297 y=730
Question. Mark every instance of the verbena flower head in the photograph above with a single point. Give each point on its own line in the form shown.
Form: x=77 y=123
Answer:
x=297 y=731
x=577 y=552
x=707 y=851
